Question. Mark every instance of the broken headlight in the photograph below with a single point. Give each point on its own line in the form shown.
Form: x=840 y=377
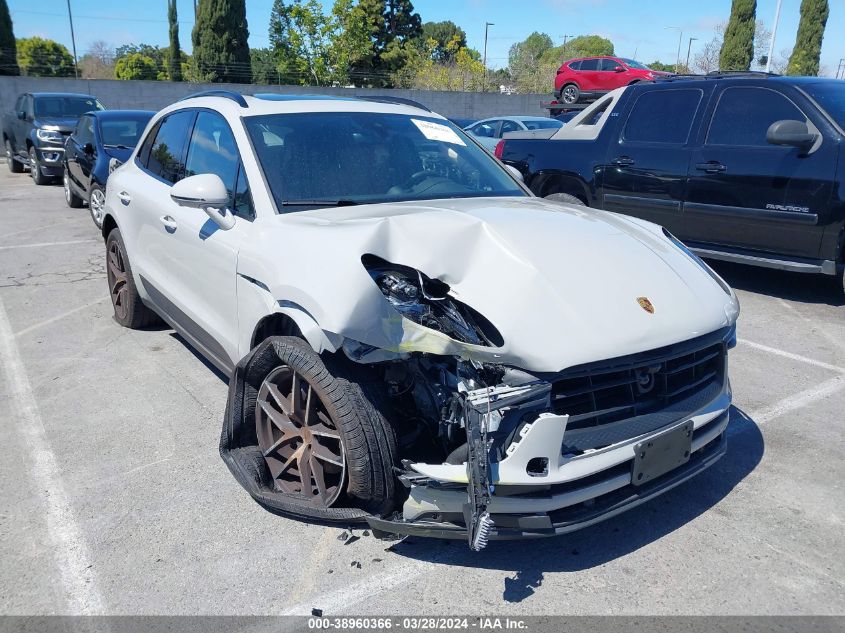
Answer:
x=427 y=302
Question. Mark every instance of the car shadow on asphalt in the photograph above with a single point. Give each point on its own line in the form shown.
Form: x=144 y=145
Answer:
x=613 y=539
x=801 y=287
x=208 y=364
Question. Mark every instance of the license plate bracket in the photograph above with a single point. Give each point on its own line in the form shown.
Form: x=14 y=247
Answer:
x=658 y=455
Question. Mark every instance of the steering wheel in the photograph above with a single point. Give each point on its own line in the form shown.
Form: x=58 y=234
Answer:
x=416 y=179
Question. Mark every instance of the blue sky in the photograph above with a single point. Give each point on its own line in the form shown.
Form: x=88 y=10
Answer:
x=636 y=27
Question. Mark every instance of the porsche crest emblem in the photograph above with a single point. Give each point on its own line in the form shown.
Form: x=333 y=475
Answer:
x=645 y=304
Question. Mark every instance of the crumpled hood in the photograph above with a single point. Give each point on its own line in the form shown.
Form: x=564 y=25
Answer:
x=561 y=283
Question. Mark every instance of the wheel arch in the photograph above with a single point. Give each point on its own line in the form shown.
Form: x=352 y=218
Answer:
x=109 y=225
x=550 y=183
x=292 y=320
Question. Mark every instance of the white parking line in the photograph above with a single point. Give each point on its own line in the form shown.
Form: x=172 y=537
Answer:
x=798 y=400
x=791 y=356
x=65 y=538
x=45 y=244
x=59 y=317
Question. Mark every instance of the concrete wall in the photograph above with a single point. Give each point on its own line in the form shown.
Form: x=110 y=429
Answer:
x=153 y=95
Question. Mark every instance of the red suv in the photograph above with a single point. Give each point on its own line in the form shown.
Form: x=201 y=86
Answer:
x=591 y=77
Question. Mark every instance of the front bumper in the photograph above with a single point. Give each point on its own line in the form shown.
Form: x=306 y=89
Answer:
x=51 y=159
x=583 y=505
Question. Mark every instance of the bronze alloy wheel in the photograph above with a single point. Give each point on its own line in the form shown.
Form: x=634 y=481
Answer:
x=116 y=272
x=301 y=444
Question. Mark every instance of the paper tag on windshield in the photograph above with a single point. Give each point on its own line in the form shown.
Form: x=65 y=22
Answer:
x=438 y=132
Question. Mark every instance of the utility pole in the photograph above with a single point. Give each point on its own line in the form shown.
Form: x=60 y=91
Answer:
x=195 y=9
x=689 y=47
x=565 y=39
x=680 y=38
x=487 y=26
x=774 y=34
x=73 y=42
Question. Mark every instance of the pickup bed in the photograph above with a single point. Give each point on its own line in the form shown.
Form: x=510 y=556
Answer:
x=744 y=168
x=34 y=133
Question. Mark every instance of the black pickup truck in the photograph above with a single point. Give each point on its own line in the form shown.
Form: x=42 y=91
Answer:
x=34 y=133
x=747 y=168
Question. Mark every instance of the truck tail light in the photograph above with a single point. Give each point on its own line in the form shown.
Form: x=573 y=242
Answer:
x=500 y=149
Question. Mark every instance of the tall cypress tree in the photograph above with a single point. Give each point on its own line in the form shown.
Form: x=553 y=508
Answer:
x=8 y=45
x=221 y=51
x=808 y=43
x=174 y=59
x=392 y=25
x=738 y=45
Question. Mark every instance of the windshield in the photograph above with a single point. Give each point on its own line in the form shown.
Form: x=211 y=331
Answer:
x=65 y=106
x=831 y=97
x=323 y=158
x=545 y=124
x=630 y=63
x=123 y=132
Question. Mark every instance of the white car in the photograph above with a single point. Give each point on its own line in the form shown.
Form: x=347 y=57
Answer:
x=490 y=131
x=415 y=341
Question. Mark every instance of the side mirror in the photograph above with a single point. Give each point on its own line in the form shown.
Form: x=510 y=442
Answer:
x=206 y=192
x=22 y=115
x=88 y=149
x=619 y=69
x=515 y=173
x=792 y=134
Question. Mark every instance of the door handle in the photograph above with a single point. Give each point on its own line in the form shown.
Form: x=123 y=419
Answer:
x=623 y=161
x=169 y=223
x=125 y=198
x=711 y=167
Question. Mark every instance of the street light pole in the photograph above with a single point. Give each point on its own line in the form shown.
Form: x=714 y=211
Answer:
x=487 y=26
x=689 y=48
x=774 y=34
x=73 y=42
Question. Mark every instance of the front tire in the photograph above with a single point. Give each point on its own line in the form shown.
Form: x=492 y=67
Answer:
x=322 y=440
x=96 y=204
x=14 y=166
x=38 y=176
x=73 y=201
x=129 y=310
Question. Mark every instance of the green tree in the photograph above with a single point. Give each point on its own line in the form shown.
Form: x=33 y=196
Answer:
x=528 y=69
x=136 y=66
x=448 y=38
x=392 y=27
x=464 y=71
x=581 y=46
x=666 y=68
x=38 y=57
x=263 y=62
x=313 y=48
x=808 y=43
x=738 y=46
x=174 y=53
x=221 y=51
x=8 y=46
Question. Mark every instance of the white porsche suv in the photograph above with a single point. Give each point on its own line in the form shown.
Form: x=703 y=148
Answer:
x=415 y=342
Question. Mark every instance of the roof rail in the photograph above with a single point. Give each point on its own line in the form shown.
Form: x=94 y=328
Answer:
x=226 y=94
x=718 y=74
x=391 y=99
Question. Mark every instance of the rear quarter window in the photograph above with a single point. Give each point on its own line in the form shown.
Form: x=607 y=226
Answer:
x=662 y=116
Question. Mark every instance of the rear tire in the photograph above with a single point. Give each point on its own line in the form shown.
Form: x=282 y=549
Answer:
x=35 y=168
x=570 y=94
x=129 y=310
x=565 y=198
x=73 y=201
x=14 y=166
x=349 y=460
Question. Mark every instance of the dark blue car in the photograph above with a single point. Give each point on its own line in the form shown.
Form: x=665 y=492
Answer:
x=101 y=142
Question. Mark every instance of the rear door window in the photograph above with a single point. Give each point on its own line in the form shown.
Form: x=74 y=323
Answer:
x=662 y=116
x=590 y=64
x=744 y=114
x=167 y=154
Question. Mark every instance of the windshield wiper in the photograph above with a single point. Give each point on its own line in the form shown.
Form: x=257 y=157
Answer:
x=318 y=203
x=117 y=146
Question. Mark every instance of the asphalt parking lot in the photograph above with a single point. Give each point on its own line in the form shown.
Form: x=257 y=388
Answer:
x=114 y=500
